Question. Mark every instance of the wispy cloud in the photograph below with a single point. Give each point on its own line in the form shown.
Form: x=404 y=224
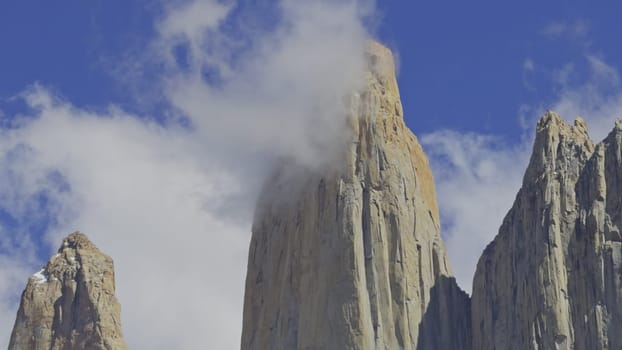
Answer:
x=529 y=68
x=477 y=177
x=598 y=99
x=573 y=29
x=529 y=65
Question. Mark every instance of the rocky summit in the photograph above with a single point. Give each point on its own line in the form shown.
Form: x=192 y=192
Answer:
x=351 y=257
x=70 y=303
x=552 y=278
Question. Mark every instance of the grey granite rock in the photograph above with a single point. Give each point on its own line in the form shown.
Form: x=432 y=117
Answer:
x=551 y=279
x=70 y=304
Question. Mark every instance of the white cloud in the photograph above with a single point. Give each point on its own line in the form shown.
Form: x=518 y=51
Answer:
x=598 y=100
x=192 y=25
x=320 y=43
x=477 y=177
x=172 y=204
x=192 y=19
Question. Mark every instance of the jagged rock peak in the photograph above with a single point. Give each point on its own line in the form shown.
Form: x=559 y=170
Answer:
x=553 y=123
x=70 y=303
x=551 y=278
x=554 y=142
x=380 y=61
x=77 y=240
x=355 y=259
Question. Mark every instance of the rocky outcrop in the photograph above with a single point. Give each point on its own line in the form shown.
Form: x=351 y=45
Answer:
x=351 y=257
x=552 y=277
x=70 y=303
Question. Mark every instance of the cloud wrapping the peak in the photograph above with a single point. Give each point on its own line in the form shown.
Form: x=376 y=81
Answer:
x=284 y=95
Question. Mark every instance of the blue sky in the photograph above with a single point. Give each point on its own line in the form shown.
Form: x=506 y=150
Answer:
x=132 y=120
x=462 y=63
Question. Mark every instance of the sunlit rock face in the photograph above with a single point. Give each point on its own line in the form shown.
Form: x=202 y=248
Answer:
x=70 y=303
x=349 y=255
x=552 y=278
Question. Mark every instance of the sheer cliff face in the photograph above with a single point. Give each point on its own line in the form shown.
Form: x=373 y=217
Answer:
x=70 y=303
x=551 y=279
x=352 y=257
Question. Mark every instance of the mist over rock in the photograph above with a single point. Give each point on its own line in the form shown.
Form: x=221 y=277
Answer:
x=70 y=303
x=552 y=277
x=350 y=256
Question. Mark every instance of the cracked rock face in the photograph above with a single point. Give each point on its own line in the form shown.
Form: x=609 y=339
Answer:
x=351 y=257
x=552 y=278
x=70 y=303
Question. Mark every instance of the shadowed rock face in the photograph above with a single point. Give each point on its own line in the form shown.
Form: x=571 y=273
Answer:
x=552 y=277
x=70 y=303
x=350 y=256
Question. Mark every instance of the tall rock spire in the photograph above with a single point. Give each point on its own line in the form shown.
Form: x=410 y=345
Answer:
x=352 y=258
x=70 y=303
x=551 y=278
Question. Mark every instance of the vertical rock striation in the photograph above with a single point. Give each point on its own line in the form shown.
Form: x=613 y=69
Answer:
x=70 y=303
x=351 y=257
x=552 y=277
x=596 y=249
